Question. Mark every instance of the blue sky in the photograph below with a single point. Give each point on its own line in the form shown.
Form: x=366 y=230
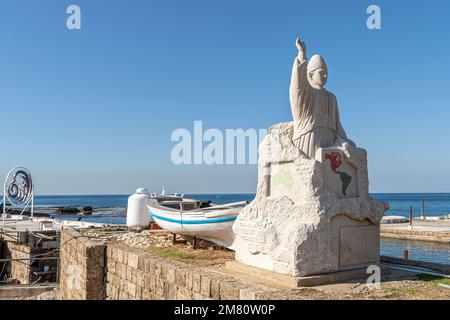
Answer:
x=91 y=111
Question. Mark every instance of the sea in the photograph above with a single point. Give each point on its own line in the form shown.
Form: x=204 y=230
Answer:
x=436 y=204
x=110 y=210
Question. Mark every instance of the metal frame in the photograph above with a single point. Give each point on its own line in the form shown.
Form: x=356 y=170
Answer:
x=28 y=202
x=58 y=259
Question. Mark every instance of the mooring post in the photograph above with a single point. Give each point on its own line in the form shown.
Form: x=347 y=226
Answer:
x=410 y=218
x=194 y=244
x=422 y=210
x=405 y=254
x=174 y=238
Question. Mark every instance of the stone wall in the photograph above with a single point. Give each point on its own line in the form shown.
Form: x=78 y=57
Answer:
x=82 y=267
x=133 y=274
x=19 y=270
x=136 y=274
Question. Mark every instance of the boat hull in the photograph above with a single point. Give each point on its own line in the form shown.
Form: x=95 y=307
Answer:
x=212 y=226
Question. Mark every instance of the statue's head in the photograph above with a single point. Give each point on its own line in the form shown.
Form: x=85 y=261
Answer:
x=317 y=72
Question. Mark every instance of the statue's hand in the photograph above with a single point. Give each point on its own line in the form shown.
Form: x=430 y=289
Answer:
x=300 y=45
x=301 y=49
x=341 y=140
x=351 y=142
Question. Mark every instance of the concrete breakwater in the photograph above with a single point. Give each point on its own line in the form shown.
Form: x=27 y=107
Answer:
x=433 y=230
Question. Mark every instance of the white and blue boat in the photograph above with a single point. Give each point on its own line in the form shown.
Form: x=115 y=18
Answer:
x=195 y=218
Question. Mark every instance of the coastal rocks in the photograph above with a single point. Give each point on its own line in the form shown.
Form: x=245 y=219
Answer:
x=88 y=210
x=134 y=240
x=144 y=240
x=68 y=210
x=309 y=216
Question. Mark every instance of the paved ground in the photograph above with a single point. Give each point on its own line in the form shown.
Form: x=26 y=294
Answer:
x=391 y=290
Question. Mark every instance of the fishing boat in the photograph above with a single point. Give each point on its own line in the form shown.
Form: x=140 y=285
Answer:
x=202 y=219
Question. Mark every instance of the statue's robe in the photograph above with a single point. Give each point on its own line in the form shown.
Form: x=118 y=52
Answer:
x=315 y=113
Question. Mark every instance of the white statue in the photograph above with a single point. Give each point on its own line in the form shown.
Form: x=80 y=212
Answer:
x=314 y=109
x=312 y=214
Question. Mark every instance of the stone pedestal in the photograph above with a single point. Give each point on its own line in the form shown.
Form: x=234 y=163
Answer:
x=309 y=216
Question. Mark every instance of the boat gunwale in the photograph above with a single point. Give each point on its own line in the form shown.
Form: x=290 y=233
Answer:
x=159 y=206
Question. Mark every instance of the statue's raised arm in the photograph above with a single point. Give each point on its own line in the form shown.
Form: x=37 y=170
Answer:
x=314 y=109
x=300 y=86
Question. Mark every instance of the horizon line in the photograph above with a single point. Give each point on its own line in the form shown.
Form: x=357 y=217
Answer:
x=197 y=193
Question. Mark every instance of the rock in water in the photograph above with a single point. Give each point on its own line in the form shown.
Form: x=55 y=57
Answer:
x=68 y=210
x=88 y=210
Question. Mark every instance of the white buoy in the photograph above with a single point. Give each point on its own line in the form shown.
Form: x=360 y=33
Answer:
x=137 y=211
